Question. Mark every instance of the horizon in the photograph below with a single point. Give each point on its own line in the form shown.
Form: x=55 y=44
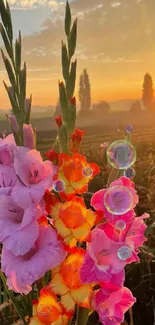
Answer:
x=116 y=53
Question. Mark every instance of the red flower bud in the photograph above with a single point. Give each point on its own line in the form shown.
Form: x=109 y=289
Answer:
x=73 y=101
x=61 y=84
x=76 y=139
x=58 y=121
x=34 y=302
x=52 y=156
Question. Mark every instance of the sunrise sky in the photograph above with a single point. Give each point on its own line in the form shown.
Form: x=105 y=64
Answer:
x=116 y=43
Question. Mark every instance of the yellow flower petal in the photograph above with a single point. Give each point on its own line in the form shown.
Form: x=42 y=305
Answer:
x=81 y=294
x=82 y=232
x=57 y=284
x=70 y=240
x=55 y=210
x=35 y=321
x=61 y=228
x=90 y=217
x=68 y=302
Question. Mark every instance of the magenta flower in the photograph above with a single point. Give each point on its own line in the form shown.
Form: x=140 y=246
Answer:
x=90 y=272
x=35 y=177
x=28 y=136
x=111 y=306
x=97 y=200
x=19 y=229
x=106 y=257
x=22 y=271
x=132 y=233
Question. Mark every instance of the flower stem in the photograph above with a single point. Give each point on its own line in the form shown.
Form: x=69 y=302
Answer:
x=13 y=299
x=82 y=316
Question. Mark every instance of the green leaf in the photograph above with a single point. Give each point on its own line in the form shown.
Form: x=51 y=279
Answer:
x=4 y=14
x=70 y=86
x=9 y=70
x=28 y=102
x=65 y=61
x=63 y=102
x=18 y=52
x=6 y=41
x=9 y=22
x=12 y=99
x=67 y=19
x=22 y=81
x=72 y=39
x=13 y=299
x=63 y=140
x=72 y=117
x=82 y=316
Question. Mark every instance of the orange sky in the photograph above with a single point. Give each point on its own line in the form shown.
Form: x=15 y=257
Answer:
x=116 y=44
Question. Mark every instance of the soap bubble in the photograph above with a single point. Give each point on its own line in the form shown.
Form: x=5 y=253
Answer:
x=121 y=154
x=129 y=128
x=120 y=224
x=124 y=253
x=118 y=200
x=130 y=173
x=87 y=171
x=59 y=185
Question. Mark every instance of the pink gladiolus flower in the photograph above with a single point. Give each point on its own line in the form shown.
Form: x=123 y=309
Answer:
x=7 y=147
x=111 y=306
x=8 y=179
x=35 y=177
x=90 y=272
x=22 y=271
x=19 y=229
x=109 y=256
x=97 y=200
x=28 y=136
x=132 y=233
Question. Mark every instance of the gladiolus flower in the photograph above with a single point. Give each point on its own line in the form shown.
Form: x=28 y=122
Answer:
x=50 y=200
x=29 y=141
x=8 y=179
x=22 y=271
x=35 y=175
x=97 y=200
x=19 y=229
x=7 y=147
x=132 y=233
x=13 y=121
x=75 y=141
x=111 y=306
x=66 y=282
x=58 y=120
x=107 y=256
x=75 y=172
x=73 y=220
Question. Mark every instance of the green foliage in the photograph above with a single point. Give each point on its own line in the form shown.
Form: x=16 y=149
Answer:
x=17 y=76
x=66 y=89
x=67 y=19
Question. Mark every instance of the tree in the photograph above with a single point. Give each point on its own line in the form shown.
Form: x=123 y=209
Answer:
x=84 y=91
x=148 y=91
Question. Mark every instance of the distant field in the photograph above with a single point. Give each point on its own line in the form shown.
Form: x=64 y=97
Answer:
x=93 y=142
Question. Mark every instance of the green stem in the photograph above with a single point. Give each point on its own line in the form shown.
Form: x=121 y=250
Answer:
x=113 y=176
x=70 y=322
x=82 y=316
x=13 y=299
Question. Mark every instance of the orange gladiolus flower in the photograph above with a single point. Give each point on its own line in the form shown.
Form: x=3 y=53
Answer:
x=49 y=311
x=75 y=172
x=66 y=282
x=73 y=221
x=75 y=140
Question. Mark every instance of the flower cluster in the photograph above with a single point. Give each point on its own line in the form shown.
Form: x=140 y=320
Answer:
x=113 y=244
x=112 y=235
x=30 y=246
